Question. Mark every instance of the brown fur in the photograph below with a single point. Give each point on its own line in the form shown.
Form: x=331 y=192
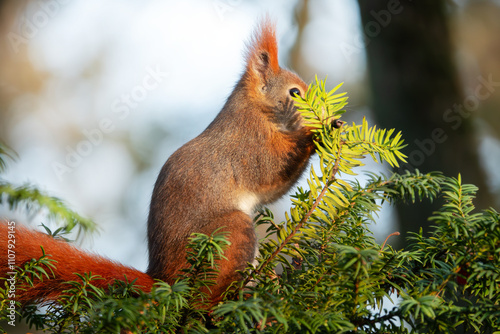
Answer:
x=251 y=154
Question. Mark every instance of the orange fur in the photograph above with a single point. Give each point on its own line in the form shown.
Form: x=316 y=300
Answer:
x=262 y=58
x=264 y=39
x=70 y=260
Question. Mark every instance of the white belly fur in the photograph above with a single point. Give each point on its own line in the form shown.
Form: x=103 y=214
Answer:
x=247 y=202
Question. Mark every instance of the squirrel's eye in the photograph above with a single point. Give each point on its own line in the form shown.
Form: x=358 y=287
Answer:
x=294 y=92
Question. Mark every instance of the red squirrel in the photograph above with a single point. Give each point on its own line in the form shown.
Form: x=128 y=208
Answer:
x=251 y=154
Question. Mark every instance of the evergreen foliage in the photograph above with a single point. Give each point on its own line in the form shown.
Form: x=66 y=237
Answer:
x=333 y=275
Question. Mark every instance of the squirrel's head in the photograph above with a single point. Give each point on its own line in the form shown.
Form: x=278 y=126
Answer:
x=267 y=82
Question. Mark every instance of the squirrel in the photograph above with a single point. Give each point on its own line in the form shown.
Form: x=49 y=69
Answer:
x=251 y=154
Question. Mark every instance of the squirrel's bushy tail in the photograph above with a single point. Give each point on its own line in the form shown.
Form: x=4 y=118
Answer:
x=70 y=260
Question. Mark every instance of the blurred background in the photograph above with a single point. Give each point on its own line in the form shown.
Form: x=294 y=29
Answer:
x=95 y=95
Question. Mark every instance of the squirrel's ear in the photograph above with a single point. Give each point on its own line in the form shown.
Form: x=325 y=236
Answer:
x=262 y=53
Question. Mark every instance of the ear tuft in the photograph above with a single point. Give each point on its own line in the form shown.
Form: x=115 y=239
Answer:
x=262 y=52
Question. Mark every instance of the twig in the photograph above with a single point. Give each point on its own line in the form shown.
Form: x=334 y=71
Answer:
x=385 y=241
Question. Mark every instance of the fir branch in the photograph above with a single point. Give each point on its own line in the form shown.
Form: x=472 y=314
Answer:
x=33 y=200
x=328 y=182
